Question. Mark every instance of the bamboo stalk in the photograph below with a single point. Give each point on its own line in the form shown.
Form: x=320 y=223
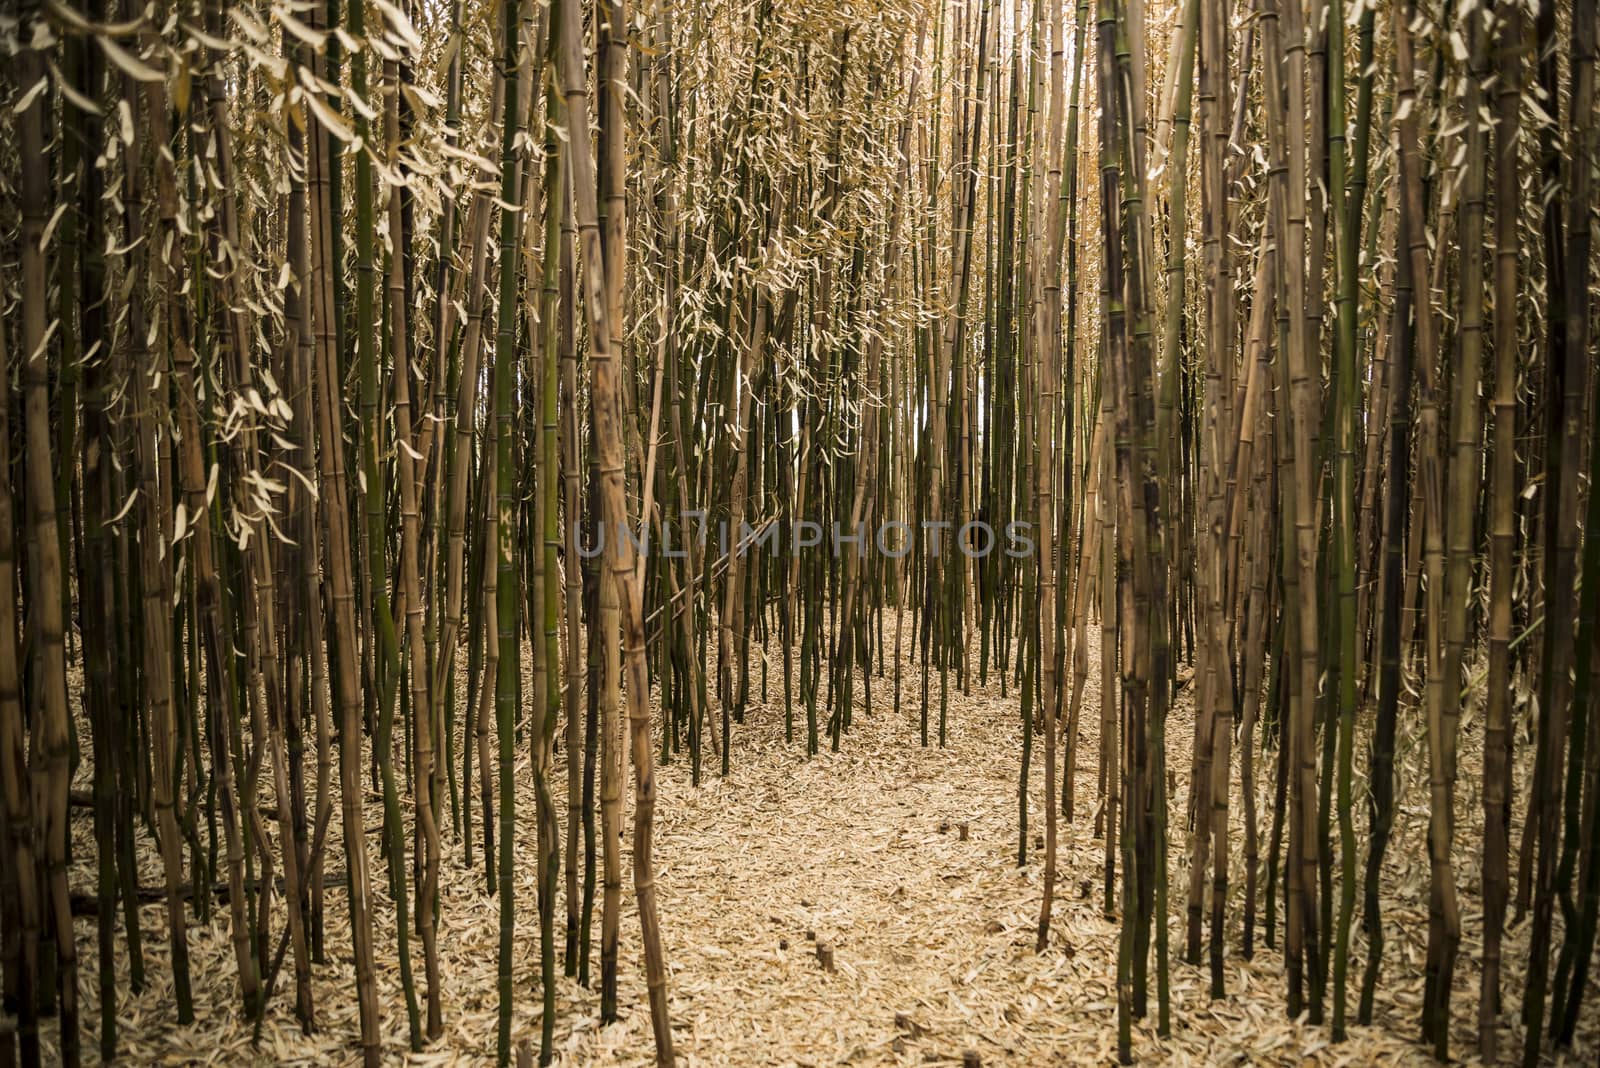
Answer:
x=620 y=554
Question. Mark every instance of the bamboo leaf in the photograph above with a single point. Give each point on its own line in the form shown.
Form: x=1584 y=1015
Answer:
x=305 y=34
x=130 y=65
x=328 y=118
x=25 y=101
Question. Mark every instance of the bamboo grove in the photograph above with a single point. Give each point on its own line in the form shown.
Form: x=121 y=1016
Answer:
x=343 y=337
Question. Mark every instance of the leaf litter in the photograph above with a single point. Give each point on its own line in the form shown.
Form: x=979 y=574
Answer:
x=932 y=937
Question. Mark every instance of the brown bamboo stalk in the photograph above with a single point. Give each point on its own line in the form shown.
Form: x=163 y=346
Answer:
x=620 y=552
x=339 y=589
x=19 y=824
x=1444 y=929
x=1502 y=532
x=51 y=749
x=1047 y=332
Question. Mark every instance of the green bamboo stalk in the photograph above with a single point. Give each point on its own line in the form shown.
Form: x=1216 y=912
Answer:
x=1584 y=143
x=504 y=550
x=1346 y=226
x=548 y=485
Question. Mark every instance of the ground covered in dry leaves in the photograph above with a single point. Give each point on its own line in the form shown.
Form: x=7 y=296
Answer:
x=932 y=936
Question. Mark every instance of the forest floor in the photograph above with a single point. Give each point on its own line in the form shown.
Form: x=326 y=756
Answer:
x=860 y=849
